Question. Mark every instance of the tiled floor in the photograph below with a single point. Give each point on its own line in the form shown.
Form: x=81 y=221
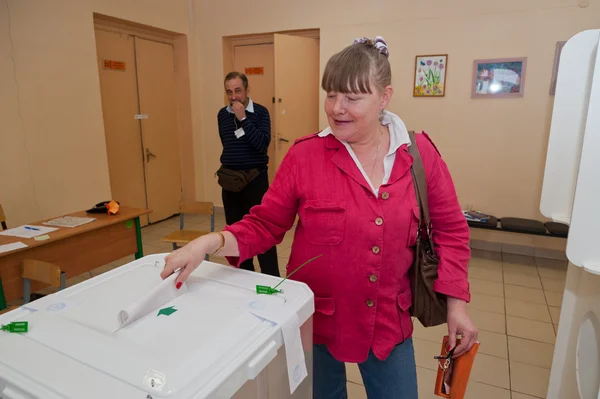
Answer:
x=515 y=304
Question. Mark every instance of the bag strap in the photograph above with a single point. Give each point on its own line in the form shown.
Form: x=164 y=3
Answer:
x=420 y=182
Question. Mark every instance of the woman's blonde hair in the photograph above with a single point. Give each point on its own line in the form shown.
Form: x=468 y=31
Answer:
x=351 y=70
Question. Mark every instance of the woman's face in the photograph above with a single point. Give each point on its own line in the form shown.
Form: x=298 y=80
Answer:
x=353 y=117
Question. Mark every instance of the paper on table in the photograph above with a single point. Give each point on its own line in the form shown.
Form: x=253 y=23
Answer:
x=290 y=328
x=24 y=232
x=69 y=221
x=12 y=246
x=158 y=296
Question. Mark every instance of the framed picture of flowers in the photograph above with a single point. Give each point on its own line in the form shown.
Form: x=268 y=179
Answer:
x=501 y=77
x=430 y=75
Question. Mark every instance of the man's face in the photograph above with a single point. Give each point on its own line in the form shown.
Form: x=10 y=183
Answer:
x=236 y=92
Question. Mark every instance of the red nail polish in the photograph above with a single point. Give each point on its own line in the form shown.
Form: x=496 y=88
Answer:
x=178 y=285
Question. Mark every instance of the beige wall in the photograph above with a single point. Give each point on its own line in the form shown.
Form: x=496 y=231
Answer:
x=495 y=148
x=53 y=156
x=52 y=148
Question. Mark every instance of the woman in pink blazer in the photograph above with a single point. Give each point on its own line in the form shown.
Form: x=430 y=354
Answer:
x=352 y=188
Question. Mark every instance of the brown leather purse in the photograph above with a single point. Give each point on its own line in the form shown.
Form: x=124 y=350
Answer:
x=428 y=306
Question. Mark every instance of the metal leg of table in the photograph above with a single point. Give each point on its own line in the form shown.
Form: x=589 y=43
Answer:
x=138 y=233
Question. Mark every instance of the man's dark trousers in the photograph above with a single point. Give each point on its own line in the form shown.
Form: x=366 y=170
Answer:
x=237 y=205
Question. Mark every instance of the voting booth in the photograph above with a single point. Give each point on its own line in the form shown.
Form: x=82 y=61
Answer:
x=571 y=194
x=129 y=334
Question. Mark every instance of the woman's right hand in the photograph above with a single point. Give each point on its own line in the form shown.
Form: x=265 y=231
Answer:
x=189 y=257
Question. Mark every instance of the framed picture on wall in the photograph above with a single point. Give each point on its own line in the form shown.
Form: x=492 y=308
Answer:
x=500 y=77
x=430 y=75
x=557 y=53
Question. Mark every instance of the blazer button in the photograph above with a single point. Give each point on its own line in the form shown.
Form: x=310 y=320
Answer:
x=385 y=195
x=375 y=249
x=372 y=278
x=370 y=303
x=379 y=221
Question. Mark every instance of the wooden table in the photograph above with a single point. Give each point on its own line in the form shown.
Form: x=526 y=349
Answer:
x=75 y=250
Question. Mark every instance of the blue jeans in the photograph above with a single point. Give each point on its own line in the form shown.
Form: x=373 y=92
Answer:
x=394 y=378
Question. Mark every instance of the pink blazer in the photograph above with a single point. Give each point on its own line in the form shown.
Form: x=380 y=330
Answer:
x=361 y=283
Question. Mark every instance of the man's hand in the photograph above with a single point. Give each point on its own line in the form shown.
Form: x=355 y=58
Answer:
x=239 y=110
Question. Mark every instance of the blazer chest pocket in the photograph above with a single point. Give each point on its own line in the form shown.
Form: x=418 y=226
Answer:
x=324 y=221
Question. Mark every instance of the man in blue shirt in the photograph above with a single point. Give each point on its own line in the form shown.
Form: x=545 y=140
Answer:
x=245 y=131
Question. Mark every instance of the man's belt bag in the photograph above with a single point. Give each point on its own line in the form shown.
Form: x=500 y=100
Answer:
x=235 y=180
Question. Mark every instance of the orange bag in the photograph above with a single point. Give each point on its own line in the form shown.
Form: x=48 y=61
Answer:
x=112 y=207
x=453 y=374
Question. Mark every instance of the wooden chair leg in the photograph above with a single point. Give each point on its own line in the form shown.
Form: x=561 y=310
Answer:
x=174 y=246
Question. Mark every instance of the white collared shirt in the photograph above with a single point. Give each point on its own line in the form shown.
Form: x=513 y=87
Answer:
x=250 y=108
x=398 y=137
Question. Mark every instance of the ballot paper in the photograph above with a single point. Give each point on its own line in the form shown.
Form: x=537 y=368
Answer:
x=269 y=308
x=12 y=246
x=161 y=294
x=28 y=231
x=69 y=221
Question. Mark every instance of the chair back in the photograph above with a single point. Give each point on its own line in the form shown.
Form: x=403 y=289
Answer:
x=42 y=272
x=197 y=208
x=2 y=218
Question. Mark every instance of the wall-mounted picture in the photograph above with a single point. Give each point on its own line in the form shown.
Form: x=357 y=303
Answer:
x=430 y=75
x=557 y=53
x=502 y=77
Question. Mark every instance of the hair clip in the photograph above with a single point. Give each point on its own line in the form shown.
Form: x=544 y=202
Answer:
x=361 y=40
x=381 y=45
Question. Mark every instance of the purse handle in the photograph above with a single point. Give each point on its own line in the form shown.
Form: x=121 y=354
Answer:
x=420 y=183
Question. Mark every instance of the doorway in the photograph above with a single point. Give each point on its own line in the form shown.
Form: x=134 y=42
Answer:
x=261 y=81
x=283 y=75
x=139 y=103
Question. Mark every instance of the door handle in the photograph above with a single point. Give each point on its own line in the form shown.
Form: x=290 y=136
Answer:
x=284 y=140
x=149 y=154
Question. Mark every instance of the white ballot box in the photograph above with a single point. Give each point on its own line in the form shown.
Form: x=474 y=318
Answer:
x=570 y=195
x=129 y=334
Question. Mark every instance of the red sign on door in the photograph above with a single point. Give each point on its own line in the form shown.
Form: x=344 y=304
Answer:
x=255 y=71
x=118 y=65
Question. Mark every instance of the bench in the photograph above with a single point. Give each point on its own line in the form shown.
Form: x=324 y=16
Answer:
x=522 y=226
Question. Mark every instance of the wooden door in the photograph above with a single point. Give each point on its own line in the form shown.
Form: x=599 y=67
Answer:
x=160 y=136
x=118 y=87
x=296 y=90
x=261 y=83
